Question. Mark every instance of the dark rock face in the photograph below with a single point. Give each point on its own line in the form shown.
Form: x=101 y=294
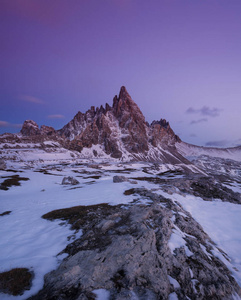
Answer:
x=129 y=252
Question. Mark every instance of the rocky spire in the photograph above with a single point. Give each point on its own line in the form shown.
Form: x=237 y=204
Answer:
x=124 y=108
x=119 y=130
x=131 y=121
x=30 y=128
x=123 y=93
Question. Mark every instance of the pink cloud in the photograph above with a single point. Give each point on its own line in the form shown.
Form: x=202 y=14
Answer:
x=56 y=117
x=4 y=124
x=7 y=124
x=31 y=99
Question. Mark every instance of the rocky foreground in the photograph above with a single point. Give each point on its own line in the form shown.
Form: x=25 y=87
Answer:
x=130 y=251
x=145 y=247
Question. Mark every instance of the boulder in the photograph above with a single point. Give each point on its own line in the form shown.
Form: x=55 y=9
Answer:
x=69 y=180
x=117 y=179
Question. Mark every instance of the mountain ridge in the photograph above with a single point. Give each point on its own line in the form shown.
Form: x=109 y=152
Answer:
x=118 y=132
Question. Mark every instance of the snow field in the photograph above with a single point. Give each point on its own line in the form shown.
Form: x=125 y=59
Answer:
x=27 y=240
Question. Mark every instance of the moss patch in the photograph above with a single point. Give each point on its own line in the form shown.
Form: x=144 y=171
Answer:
x=15 y=281
x=12 y=180
x=77 y=216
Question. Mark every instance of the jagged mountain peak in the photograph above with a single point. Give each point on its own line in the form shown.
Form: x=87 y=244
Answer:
x=119 y=130
x=123 y=93
x=124 y=108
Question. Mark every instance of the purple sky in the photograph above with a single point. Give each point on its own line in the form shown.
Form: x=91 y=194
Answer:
x=179 y=60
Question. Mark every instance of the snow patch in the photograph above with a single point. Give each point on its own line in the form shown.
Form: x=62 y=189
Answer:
x=102 y=294
x=174 y=282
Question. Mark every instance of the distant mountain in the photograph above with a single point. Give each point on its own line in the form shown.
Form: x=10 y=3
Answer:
x=117 y=132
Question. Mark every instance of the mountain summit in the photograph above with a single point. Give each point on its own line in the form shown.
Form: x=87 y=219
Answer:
x=118 y=131
x=121 y=132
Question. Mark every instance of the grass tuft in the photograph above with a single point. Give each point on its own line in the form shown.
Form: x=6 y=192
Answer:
x=77 y=215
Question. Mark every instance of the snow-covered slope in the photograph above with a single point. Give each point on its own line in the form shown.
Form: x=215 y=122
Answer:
x=190 y=151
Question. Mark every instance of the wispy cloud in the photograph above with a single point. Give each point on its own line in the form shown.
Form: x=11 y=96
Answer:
x=56 y=117
x=205 y=111
x=222 y=143
x=7 y=124
x=198 y=121
x=4 y=124
x=31 y=99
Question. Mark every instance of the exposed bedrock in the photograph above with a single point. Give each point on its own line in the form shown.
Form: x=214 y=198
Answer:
x=128 y=250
